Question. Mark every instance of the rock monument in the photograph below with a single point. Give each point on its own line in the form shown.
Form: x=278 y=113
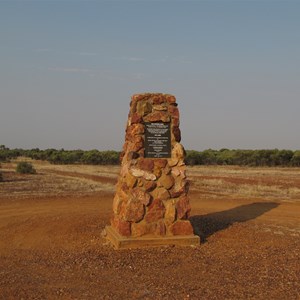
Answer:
x=151 y=205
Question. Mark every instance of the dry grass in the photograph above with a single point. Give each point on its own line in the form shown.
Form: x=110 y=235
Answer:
x=280 y=184
x=265 y=183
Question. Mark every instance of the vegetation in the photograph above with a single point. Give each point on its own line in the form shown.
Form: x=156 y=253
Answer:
x=25 y=167
x=270 y=158
x=244 y=157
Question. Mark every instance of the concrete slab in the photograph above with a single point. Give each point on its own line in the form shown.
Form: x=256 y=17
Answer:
x=121 y=242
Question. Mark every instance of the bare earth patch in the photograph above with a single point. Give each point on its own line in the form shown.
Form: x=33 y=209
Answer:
x=51 y=245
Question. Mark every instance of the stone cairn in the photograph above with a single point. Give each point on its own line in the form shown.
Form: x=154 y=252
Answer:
x=151 y=194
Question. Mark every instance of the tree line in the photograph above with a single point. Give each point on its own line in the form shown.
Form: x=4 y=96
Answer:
x=238 y=157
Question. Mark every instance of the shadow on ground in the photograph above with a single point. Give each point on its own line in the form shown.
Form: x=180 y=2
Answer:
x=206 y=225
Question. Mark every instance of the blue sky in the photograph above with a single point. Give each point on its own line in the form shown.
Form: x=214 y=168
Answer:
x=68 y=69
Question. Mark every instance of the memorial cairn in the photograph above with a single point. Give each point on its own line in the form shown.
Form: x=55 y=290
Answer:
x=151 y=206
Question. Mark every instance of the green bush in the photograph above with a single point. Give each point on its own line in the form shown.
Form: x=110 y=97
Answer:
x=24 y=167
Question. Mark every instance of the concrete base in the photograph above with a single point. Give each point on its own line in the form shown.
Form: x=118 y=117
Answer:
x=121 y=242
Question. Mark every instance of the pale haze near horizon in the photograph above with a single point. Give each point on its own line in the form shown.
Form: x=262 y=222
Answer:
x=69 y=68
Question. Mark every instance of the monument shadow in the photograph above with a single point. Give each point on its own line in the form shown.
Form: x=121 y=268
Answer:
x=206 y=225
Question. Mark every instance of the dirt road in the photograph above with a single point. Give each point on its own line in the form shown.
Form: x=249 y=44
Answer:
x=51 y=245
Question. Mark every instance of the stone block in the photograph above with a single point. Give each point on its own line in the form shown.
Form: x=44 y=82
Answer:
x=183 y=207
x=160 y=193
x=133 y=211
x=181 y=228
x=166 y=181
x=123 y=227
x=156 y=211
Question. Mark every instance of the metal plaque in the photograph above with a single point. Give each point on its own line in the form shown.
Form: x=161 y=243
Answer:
x=157 y=140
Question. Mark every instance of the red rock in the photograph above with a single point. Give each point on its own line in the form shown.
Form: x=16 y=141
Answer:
x=160 y=193
x=139 y=97
x=132 y=155
x=156 y=211
x=174 y=112
x=157 y=171
x=136 y=144
x=134 y=211
x=172 y=162
x=142 y=228
x=121 y=226
x=160 y=107
x=161 y=163
x=117 y=204
x=167 y=181
x=143 y=108
x=134 y=129
x=183 y=207
x=157 y=116
x=170 y=98
x=177 y=134
x=170 y=214
x=140 y=195
x=157 y=99
x=131 y=181
x=149 y=185
x=180 y=188
x=160 y=229
x=146 y=164
x=175 y=122
x=178 y=151
x=181 y=228
x=135 y=118
x=141 y=173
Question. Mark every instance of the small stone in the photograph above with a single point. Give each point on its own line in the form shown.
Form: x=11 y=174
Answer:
x=170 y=98
x=117 y=204
x=134 y=211
x=135 y=118
x=123 y=227
x=130 y=180
x=175 y=122
x=178 y=151
x=157 y=116
x=173 y=161
x=157 y=171
x=155 y=211
x=134 y=129
x=139 y=97
x=141 y=173
x=160 y=107
x=167 y=181
x=183 y=207
x=180 y=187
x=149 y=185
x=160 y=193
x=182 y=228
x=161 y=163
x=143 y=108
x=140 y=195
x=179 y=171
x=146 y=164
x=177 y=134
x=173 y=110
x=143 y=228
x=132 y=155
x=175 y=171
x=170 y=213
x=157 y=99
x=136 y=144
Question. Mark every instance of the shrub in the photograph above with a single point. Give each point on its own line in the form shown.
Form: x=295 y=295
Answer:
x=24 y=167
